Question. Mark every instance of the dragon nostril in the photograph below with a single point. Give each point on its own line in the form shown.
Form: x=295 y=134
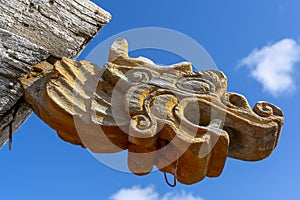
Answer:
x=237 y=100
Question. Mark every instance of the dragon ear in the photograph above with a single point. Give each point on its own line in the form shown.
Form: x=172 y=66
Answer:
x=183 y=66
x=118 y=50
x=119 y=54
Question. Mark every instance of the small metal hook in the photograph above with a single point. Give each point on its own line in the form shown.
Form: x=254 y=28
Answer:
x=10 y=136
x=166 y=178
x=165 y=174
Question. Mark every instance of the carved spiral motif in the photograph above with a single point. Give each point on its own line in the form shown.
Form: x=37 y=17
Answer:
x=141 y=122
x=265 y=109
x=142 y=126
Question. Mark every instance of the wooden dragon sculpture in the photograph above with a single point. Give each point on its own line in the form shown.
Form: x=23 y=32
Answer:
x=183 y=122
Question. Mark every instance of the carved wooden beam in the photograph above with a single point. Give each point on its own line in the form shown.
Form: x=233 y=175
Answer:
x=32 y=31
x=181 y=121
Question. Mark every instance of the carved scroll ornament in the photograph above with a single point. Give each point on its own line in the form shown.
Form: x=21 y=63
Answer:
x=183 y=122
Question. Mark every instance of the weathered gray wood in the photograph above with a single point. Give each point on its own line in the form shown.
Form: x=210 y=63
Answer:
x=30 y=32
x=16 y=57
x=60 y=26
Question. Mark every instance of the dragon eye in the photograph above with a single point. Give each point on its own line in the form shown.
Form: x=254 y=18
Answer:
x=195 y=85
x=199 y=86
x=137 y=76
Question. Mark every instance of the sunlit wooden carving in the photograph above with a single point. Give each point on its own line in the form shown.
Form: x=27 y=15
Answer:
x=181 y=121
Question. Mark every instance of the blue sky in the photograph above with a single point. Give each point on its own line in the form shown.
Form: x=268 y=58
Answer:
x=255 y=43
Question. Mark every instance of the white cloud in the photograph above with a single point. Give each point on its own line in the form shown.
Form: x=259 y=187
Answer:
x=273 y=65
x=180 y=196
x=149 y=193
x=135 y=192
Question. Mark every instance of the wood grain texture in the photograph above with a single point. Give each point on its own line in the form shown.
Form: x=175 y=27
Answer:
x=62 y=27
x=30 y=32
x=17 y=55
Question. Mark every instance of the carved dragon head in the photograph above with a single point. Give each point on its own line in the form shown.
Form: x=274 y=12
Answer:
x=181 y=121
